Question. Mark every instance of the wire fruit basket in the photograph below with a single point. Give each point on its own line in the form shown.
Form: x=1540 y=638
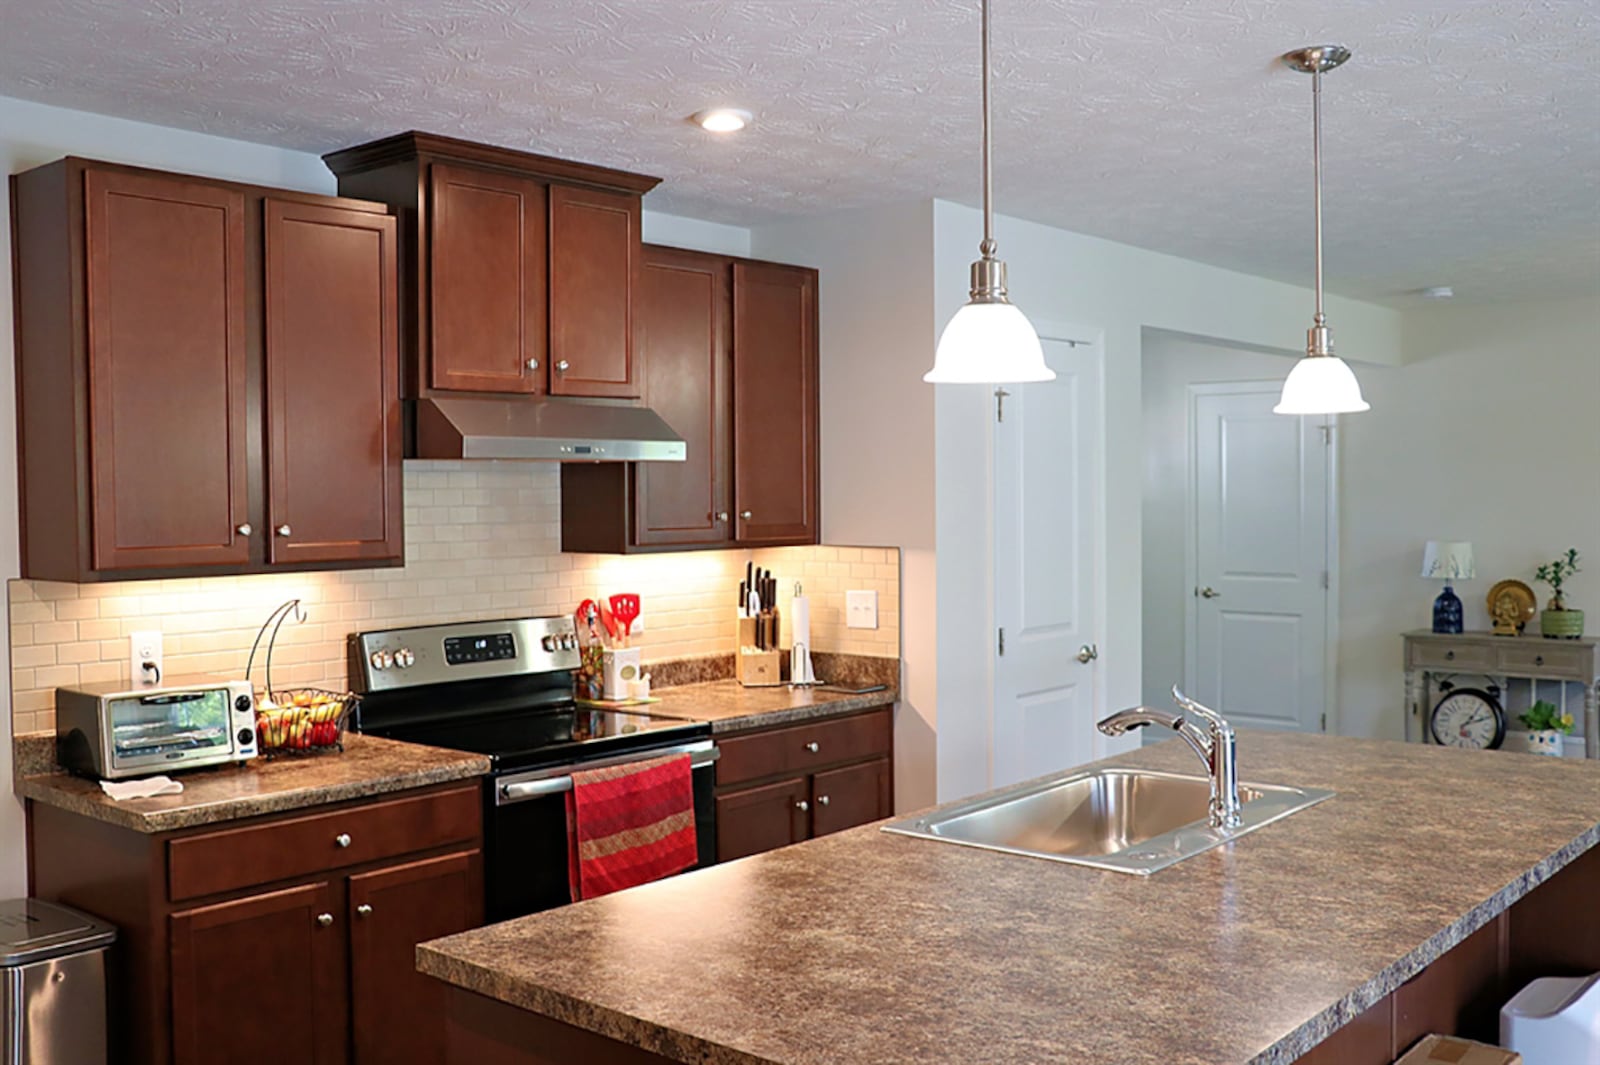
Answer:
x=304 y=719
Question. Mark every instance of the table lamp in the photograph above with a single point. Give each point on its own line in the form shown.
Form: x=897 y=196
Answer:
x=1447 y=560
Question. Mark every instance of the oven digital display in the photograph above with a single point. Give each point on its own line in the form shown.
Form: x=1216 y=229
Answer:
x=459 y=650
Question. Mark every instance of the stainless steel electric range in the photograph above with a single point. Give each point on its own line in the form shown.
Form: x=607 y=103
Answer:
x=506 y=689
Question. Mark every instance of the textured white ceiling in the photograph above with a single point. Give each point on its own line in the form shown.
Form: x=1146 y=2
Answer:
x=1463 y=141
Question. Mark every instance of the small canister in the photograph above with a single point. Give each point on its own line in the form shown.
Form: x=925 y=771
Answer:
x=622 y=665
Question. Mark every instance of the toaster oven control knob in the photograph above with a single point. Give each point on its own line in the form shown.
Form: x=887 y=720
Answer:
x=404 y=658
x=245 y=737
x=242 y=704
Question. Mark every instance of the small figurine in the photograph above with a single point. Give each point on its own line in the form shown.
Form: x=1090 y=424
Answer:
x=1507 y=614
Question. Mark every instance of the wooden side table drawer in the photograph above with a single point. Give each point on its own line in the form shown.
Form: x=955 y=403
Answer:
x=1548 y=657
x=263 y=853
x=801 y=748
x=1425 y=654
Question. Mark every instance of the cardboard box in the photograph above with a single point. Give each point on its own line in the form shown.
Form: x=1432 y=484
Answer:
x=1448 y=1050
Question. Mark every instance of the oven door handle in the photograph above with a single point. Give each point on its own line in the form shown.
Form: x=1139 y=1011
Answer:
x=557 y=781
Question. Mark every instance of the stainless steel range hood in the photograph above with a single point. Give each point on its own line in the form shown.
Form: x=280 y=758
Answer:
x=469 y=427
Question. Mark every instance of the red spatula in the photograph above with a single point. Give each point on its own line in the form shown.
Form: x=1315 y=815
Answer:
x=625 y=608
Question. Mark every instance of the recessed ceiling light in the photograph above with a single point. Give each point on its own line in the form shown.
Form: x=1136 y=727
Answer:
x=1438 y=292
x=721 y=119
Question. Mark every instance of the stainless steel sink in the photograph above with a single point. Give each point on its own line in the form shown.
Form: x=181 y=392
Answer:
x=1127 y=820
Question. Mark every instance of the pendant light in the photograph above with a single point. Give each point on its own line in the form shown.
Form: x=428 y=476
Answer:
x=1320 y=383
x=989 y=341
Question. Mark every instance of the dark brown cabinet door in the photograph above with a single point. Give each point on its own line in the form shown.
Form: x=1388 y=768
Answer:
x=595 y=251
x=854 y=795
x=684 y=325
x=775 y=403
x=762 y=819
x=489 y=302
x=333 y=389
x=260 y=980
x=397 y=1014
x=166 y=309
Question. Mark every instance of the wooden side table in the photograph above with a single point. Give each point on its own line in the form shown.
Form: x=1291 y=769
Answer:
x=1431 y=654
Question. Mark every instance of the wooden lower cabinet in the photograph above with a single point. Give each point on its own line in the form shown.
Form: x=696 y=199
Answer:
x=315 y=967
x=787 y=785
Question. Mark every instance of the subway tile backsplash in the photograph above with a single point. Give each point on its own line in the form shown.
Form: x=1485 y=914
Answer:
x=482 y=540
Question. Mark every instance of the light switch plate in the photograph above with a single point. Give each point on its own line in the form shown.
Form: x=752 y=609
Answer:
x=146 y=666
x=861 y=610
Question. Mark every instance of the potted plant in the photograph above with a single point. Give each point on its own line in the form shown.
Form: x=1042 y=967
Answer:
x=1546 y=725
x=1557 y=622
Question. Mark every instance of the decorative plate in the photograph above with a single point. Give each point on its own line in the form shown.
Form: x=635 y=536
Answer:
x=1518 y=593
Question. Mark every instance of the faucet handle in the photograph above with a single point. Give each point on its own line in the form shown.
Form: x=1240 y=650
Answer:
x=1216 y=720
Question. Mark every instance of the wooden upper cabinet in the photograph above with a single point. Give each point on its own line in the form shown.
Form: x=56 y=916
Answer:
x=775 y=419
x=333 y=392
x=166 y=384
x=685 y=326
x=489 y=300
x=594 y=272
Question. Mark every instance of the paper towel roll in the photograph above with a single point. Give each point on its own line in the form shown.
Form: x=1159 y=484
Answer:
x=800 y=671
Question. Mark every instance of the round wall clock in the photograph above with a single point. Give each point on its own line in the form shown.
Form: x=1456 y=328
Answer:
x=1468 y=717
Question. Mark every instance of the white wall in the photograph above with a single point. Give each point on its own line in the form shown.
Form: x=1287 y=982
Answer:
x=675 y=231
x=877 y=335
x=1490 y=433
x=1119 y=292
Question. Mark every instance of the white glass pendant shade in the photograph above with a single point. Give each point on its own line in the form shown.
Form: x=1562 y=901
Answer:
x=988 y=343
x=1321 y=384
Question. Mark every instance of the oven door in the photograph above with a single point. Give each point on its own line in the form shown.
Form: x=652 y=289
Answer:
x=192 y=726
x=525 y=829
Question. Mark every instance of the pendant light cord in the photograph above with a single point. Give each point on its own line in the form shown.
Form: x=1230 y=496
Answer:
x=987 y=248
x=1316 y=165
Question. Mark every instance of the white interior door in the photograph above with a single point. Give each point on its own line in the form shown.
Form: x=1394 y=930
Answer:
x=1047 y=441
x=1257 y=632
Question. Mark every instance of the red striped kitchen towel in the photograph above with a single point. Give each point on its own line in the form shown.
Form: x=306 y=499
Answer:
x=629 y=824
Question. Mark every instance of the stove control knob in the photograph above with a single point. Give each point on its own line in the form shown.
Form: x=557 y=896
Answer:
x=377 y=660
x=569 y=642
x=549 y=643
x=384 y=659
x=404 y=658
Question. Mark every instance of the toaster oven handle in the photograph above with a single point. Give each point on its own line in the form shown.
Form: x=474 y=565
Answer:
x=560 y=780
x=172 y=697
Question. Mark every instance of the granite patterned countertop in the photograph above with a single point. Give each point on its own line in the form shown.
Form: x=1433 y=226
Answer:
x=731 y=707
x=865 y=946
x=368 y=766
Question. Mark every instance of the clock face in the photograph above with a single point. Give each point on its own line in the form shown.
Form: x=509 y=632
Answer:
x=1468 y=718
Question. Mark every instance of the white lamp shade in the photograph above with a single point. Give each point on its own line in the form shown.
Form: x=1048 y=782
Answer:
x=1448 y=560
x=988 y=343
x=1321 y=384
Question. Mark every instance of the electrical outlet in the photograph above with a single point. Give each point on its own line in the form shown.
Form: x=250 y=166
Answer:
x=861 y=610
x=638 y=625
x=146 y=667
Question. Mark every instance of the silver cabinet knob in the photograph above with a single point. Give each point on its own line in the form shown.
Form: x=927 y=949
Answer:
x=324 y=919
x=246 y=529
x=822 y=800
x=284 y=530
x=342 y=840
x=533 y=364
x=746 y=515
x=1088 y=653
x=364 y=910
x=1208 y=592
x=563 y=366
x=722 y=515
x=813 y=747
x=802 y=806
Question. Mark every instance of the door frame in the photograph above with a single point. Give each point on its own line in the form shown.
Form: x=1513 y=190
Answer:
x=1330 y=538
x=1076 y=336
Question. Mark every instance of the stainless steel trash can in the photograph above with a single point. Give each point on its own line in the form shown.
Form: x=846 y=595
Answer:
x=52 y=984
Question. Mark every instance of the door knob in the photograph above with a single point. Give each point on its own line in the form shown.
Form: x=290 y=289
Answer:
x=364 y=910
x=246 y=529
x=563 y=366
x=1088 y=653
x=1207 y=592
x=342 y=839
x=284 y=530
x=722 y=515
x=324 y=919
x=813 y=747
x=822 y=800
x=533 y=364
x=746 y=515
x=802 y=806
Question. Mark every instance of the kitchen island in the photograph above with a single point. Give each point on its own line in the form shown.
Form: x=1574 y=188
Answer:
x=869 y=947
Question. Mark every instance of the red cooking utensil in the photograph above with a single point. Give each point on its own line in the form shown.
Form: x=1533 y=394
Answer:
x=613 y=630
x=625 y=608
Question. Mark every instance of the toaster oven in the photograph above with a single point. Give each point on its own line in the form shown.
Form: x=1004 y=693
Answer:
x=110 y=731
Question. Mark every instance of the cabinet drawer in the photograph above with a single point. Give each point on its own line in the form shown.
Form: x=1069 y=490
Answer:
x=263 y=853
x=1546 y=657
x=802 y=748
x=1427 y=654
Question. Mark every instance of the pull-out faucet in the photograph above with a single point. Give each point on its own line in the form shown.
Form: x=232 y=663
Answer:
x=1216 y=746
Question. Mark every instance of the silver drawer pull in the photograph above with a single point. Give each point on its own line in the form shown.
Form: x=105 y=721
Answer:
x=813 y=747
x=822 y=800
x=364 y=910
x=1449 y=656
x=802 y=806
x=324 y=919
x=246 y=529
x=342 y=840
x=284 y=530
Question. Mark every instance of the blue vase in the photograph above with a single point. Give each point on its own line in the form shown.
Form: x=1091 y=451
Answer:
x=1447 y=612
